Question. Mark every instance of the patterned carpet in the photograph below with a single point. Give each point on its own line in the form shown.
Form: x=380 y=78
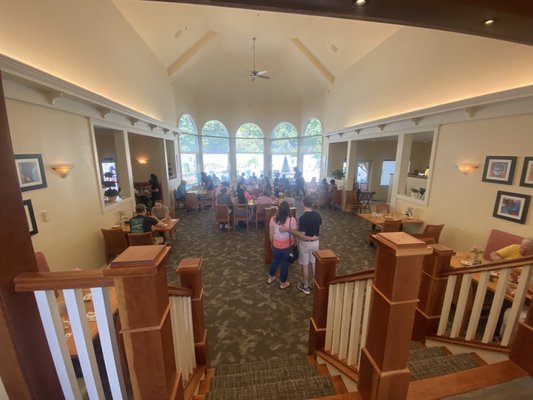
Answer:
x=247 y=319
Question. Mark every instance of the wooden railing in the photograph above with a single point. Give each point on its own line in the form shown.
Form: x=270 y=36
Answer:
x=347 y=318
x=468 y=291
x=60 y=325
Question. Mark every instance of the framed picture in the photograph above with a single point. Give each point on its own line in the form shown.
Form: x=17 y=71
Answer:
x=30 y=217
x=511 y=206
x=30 y=171
x=499 y=169
x=527 y=173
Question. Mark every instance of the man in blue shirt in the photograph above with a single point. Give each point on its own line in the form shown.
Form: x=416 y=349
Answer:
x=141 y=223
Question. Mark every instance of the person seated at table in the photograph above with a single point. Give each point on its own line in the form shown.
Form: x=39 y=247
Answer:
x=140 y=223
x=224 y=198
x=161 y=213
x=312 y=185
x=264 y=199
x=207 y=182
x=267 y=186
x=289 y=197
x=525 y=248
x=181 y=190
x=215 y=179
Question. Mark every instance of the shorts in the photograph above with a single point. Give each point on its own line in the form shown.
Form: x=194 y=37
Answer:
x=305 y=250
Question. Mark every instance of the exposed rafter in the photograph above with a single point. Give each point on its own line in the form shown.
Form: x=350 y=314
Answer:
x=313 y=60
x=190 y=53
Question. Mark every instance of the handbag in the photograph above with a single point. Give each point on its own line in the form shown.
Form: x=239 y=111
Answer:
x=293 y=254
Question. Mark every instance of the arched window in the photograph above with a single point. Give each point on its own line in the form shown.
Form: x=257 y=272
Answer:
x=284 y=148
x=215 y=146
x=188 y=149
x=249 y=148
x=312 y=149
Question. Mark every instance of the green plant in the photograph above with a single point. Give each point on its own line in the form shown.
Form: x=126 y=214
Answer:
x=111 y=192
x=337 y=174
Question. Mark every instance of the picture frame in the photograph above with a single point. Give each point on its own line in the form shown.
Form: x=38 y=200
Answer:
x=30 y=217
x=30 y=171
x=499 y=169
x=511 y=206
x=526 y=179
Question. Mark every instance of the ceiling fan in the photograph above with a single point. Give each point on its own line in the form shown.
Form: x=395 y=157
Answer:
x=253 y=72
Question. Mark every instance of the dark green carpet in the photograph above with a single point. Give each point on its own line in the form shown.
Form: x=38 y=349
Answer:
x=247 y=319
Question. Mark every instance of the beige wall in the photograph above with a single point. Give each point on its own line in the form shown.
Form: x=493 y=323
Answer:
x=72 y=237
x=91 y=45
x=463 y=202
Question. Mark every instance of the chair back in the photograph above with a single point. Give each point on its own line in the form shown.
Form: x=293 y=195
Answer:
x=433 y=231
x=240 y=214
x=221 y=214
x=336 y=198
x=322 y=198
x=115 y=243
x=392 y=225
x=141 y=239
x=191 y=201
x=42 y=265
x=382 y=208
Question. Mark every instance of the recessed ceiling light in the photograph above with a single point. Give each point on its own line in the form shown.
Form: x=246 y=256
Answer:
x=359 y=2
x=489 y=21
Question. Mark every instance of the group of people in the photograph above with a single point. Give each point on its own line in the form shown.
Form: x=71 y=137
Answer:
x=159 y=216
x=286 y=232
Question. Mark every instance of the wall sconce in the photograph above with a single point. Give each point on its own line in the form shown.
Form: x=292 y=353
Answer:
x=142 y=160
x=62 y=169
x=467 y=168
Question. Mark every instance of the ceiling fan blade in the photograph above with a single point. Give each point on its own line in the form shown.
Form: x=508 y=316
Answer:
x=263 y=76
x=262 y=72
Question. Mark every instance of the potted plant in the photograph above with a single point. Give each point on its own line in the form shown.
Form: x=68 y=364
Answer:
x=337 y=174
x=111 y=194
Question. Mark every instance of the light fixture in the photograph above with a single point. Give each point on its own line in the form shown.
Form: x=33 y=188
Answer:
x=489 y=21
x=359 y=2
x=62 y=169
x=467 y=168
x=142 y=160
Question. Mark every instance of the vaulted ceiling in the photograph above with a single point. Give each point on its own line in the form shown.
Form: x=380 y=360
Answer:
x=207 y=50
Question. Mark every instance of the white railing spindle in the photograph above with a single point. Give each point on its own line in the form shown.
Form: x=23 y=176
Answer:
x=355 y=326
x=461 y=305
x=345 y=320
x=366 y=311
x=496 y=307
x=478 y=305
x=518 y=301
x=447 y=304
x=339 y=293
x=330 y=317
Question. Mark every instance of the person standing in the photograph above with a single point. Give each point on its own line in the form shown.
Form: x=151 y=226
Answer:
x=308 y=232
x=281 y=240
x=154 y=188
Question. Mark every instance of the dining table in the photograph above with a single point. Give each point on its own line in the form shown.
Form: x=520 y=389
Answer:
x=170 y=227
x=379 y=219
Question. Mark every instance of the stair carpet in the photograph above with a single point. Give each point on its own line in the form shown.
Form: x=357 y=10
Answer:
x=278 y=379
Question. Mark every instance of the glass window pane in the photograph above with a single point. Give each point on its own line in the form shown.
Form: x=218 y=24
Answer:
x=284 y=130
x=250 y=163
x=249 y=130
x=282 y=146
x=313 y=127
x=312 y=144
x=186 y=124
x=284 y=164
x=311 y=166
x=387 y=168
x=217 y=164
x=188 y=143
x=189 y=168
x=214 y=128
x=215 y=145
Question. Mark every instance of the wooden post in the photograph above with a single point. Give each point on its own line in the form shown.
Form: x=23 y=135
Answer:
x=383 y=372
x=326 y=265
x=190 y=273
x=27 y=369
x=269 y=213
x=141 y=284
x=521 y=349
x=431 y=294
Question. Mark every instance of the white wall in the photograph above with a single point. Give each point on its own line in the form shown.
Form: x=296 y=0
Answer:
x=464 y=202
x=90 y=44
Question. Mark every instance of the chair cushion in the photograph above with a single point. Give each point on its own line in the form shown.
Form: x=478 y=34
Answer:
x=498 y=240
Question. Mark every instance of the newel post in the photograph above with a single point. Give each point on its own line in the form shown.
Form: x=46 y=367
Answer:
x=190 y=273
x=521 y=352
x=383 y=372
x=141 y=284
x=326 y=265
x=431 y=293
x=269 y=213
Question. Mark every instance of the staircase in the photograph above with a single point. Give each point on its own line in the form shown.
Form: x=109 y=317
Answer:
x=290 y=378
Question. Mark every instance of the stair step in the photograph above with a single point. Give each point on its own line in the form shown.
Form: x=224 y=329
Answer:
x=427 y=353
x=259 y=365
x=258 y=377
x=427 y=368
x=293 y=389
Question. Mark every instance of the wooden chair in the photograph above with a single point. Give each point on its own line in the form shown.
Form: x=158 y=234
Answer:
x=336 y=199
x=382 y=209
x=240 y=214
x=42 y=264
x=206 y=199
x=323 y=199
x=349 y=199
x=390 y=225
x=191 y=201
x=222 y=215
x=141 y=239
x=431 y=234
x=115 y=243
x=363 y=205
x=259 y=214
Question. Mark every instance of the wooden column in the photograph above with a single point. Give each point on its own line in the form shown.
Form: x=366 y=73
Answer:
x=26 y=366
x=141 y=284
x=326 y=265
x=269 y=213
x=521 y=348
x=383 y=372
x=431 y=294
x=190 y=273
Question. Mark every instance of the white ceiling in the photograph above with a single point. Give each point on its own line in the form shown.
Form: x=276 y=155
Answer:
x=205 y=49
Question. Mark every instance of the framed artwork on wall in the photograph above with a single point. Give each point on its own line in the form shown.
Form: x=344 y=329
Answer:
x=30 y=217
x=527 y=173
x=499 y=169
x=511 y=206
x=30 y=171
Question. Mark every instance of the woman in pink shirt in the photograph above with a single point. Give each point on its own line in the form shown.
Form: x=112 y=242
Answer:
x=281 y=243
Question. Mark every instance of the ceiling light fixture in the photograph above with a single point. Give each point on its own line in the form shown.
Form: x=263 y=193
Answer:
x=489 y=22
x=359 y=2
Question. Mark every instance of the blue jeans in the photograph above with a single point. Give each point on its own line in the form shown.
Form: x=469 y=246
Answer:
x=280 y=255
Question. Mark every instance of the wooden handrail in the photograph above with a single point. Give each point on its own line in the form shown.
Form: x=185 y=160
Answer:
x=491 y=266
x=32 y=281
x=179 y=291
x=356 y=276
